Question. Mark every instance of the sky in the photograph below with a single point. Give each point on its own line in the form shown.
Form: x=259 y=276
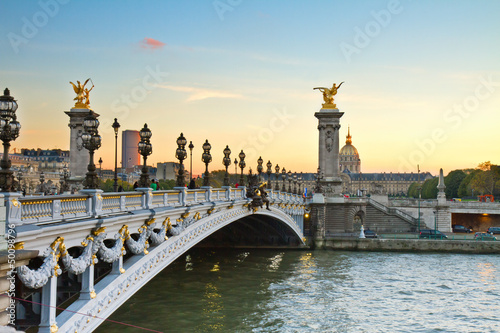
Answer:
x=422 y=78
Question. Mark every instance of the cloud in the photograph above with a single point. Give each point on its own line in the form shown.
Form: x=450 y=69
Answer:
x=151 y=44
x=198 y=94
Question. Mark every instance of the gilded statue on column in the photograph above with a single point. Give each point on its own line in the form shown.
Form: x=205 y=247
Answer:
x=328 y=94
x=82 y=94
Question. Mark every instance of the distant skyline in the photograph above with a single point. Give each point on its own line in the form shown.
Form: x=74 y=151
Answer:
x=422 y=78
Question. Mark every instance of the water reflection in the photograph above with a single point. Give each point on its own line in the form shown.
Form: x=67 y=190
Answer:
x=318 y=291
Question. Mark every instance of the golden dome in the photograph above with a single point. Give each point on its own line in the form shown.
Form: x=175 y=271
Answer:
x=348 y=149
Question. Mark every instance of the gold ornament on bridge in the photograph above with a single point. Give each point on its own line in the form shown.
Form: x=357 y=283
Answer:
x=82 y=94
x=328 y=94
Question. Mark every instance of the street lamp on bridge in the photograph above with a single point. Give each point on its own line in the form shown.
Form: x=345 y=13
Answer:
x=191 y=146
x=283 y=177
x=115 y=126
x=277 y=185
x=9 y=131
x=259 y=166
x=269 y=171
x=91 y=141
x=294 y=183
x=242 y=166
x=206 y=158
x=145 y=149
x=290 y=178
x=235 y=170
x=181 y=154
x=227 y=162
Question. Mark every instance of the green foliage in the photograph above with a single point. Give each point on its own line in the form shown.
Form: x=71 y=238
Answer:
x=452 y=182
x=464 y=190
x=413 y=190
x=107 y=186
x=429 y=188
x=166 y=184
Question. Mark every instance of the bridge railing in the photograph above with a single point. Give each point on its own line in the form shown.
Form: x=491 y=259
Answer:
x=90 y=203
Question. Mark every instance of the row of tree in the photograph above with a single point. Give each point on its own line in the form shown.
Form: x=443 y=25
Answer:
x=485 y=179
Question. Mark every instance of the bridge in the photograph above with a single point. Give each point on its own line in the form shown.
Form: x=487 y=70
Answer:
x=111 y=244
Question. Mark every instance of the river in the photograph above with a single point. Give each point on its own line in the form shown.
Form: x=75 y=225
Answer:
x=317 y=291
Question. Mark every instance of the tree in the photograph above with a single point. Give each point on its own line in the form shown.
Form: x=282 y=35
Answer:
x=464 y=190
x=452 y=182
x=413 y=190
x=429 y=188
x=484 y=181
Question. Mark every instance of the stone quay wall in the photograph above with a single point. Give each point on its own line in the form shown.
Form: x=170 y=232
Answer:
x=408 y=245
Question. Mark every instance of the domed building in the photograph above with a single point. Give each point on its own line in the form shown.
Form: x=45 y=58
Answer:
x=349 y=161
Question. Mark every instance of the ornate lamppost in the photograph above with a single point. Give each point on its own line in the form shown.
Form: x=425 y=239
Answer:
x=235 y=170
x=116 y=126
x=260 y=167
x=300 y=184
x=64 y=175
x=42 y=182
x=181 y=154
x=191 y=146
x=283 y=177
x=290 y=178
x=91 y=141
x=269 y=171
x=242 y=165
x=100 y=166
x=19 y=178
x=227 y=162
x=277 y=169
x=145 y=149
x=206 y=158
x=9 y=131
x=294 y=183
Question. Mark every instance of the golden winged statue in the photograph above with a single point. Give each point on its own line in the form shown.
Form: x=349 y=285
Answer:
x=328 y=94
x=81 y=94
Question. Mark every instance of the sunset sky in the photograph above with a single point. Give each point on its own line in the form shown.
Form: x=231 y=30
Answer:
x=422 y=78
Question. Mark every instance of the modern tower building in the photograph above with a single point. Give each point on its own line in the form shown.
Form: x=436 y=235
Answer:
x=130 y=152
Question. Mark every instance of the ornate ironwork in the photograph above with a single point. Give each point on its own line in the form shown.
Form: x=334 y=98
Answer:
x=269 y=171
x=290 y=178
x=206 y=158
x=277 y=169
x=260 y=167
x=145 y=149
x=181 y=155
x=116 y=126
x=91 y=142
x=227 y=162
x=242 y=166
x=283 y=177
x=9 y=131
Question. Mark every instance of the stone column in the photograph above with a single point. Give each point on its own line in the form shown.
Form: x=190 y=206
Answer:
x=78 y=156
x=443 y=212
x=329 y=125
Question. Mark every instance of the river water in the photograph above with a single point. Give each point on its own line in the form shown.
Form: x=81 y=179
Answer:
x=317 y=291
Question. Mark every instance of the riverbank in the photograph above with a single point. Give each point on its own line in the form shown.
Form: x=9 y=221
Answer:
x=409 y=245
